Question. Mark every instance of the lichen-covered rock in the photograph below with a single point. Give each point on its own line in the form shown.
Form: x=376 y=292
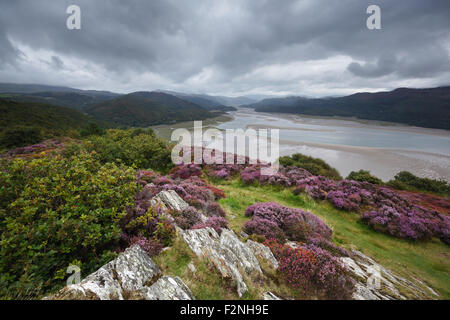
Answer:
x=263 y=252
x=375 y=282
x=167 y=288
x=269 y=296
x=130 y=276
x=171 y=200
x=231 y=257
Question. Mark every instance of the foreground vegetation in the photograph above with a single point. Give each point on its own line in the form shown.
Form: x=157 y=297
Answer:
x=428 y=261
x=81 y=203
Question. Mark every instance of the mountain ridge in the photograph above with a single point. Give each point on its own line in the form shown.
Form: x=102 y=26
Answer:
x=429 y=107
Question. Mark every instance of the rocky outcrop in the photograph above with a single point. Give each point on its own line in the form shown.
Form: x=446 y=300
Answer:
x=233 y=258
x=167 y=288
x=375 y=282
x=132 y=275
x=170 y=200
x=263 y=252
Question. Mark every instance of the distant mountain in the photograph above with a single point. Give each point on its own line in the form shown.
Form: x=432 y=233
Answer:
x=208 y=101
x=73 y=100
x=33 y=88
x=280 y=102
x=204 y=101
x=141 y=109
x=61 y=96
x=419 y=107
x=234 y=101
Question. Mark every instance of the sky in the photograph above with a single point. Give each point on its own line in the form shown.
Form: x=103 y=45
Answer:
x=227 y=47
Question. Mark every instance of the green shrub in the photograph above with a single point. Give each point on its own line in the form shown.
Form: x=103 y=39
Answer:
x=91 y=129
x=364 y=176
x=55 y=211
x=316 y=166
x=407 y=181
x=20 y=136
x=138 y=147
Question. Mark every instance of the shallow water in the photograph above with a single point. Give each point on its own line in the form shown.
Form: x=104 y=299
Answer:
x=383 y=148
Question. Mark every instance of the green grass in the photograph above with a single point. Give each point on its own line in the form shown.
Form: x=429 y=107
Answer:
x=427 y=261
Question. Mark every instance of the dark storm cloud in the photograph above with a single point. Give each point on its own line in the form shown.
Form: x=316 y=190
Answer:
x=236 y=46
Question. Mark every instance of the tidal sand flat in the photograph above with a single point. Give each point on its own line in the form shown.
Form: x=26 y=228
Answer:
x=350 y=144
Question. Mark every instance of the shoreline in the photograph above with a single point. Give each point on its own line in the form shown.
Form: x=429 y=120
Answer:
x=350 y=122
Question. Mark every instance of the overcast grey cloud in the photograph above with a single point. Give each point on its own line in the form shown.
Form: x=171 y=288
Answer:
x=233 y=47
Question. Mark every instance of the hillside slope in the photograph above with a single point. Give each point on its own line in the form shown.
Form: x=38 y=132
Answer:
x=49 y=117
x=418 y=107
x=141 y=109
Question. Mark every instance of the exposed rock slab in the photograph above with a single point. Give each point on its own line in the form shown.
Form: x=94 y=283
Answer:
x=232 y=258
x=263 y=252
x=167 y=288
x=171 y=200
x=132 y=275
x=375 y=282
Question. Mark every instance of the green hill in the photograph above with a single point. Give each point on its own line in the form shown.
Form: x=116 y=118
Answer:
x=142 y=109
x=19 y=120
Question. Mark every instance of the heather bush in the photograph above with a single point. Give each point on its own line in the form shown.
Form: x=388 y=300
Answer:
x=264 y=227
x=147 y=221
x=55 y=210
x=214 y=209
x=217 y=223
x=251 y=174
x=326 y=244
x=186 y=171
x=187 y=218
x=152 y=246
x=414 y=222
x=382 y=208
x=289 y=220
x=218 y=194
x=363 y=176
x=313 y=271
x=296 y=228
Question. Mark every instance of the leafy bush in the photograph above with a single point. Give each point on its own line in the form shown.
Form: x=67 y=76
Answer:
x=315 y=166
x=364 y=176
x=20 y=136
x=407 y=181
x=137 y=147
x=54 y=211
x=91 y=129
